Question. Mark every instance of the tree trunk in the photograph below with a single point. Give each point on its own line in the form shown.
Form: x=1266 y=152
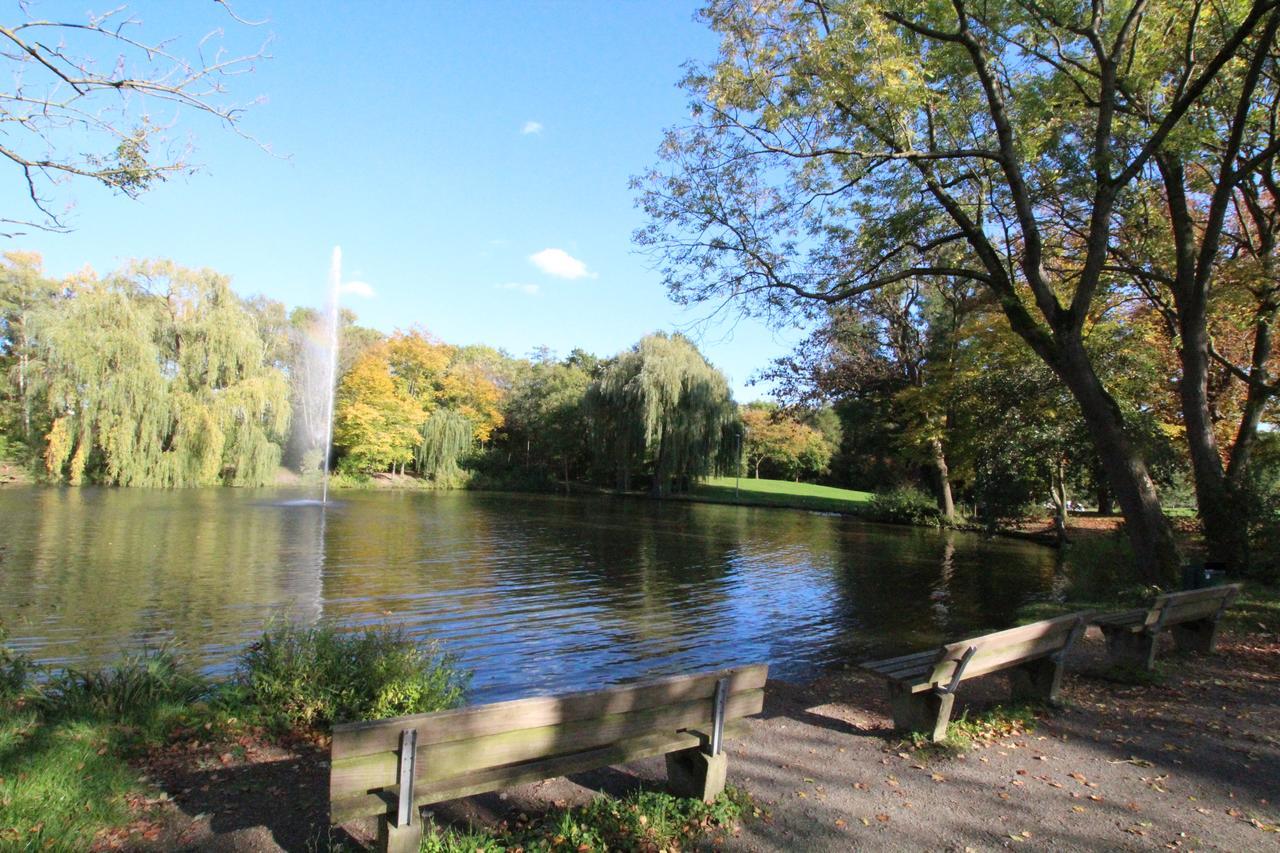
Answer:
x=1225 y=522
x=1058 y=488
x=1105 y=504
x=757 y=467
x=1154 y=549
x=942 y=472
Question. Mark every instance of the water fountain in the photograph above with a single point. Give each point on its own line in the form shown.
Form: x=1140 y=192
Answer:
x=335 y=288
x=316 y=375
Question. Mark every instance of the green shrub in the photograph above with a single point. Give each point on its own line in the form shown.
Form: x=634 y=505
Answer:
x=317 y=676
x=16 y=671
x=904 y=505
x=133 y=689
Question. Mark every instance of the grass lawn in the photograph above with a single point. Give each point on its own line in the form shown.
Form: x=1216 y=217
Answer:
x=782 y=493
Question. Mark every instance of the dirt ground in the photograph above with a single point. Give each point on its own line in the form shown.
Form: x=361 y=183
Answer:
x=1191 y=762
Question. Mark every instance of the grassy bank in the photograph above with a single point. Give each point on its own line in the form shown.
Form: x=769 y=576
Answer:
x=780 y=493
x=72 y=742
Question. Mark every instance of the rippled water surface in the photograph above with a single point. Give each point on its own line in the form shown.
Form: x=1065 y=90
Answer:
x=534 y=593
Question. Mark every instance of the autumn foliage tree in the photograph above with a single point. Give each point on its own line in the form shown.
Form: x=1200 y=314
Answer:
x=840 y=147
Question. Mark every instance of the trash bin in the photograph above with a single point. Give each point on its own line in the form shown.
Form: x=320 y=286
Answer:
x=1202 y=575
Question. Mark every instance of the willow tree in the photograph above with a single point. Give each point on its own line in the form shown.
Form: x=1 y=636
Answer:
x=839 y=146
x=158 y=377
x=663 y=410
x=445 y=436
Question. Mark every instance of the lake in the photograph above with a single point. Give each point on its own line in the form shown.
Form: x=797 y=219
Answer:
x=534 y=593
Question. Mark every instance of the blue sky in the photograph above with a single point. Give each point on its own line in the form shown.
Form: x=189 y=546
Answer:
x=443 y=146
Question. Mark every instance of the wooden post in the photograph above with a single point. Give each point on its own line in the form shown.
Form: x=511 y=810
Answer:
x=399 y=839
x=929 y=711
x=694 y=773
x=1127 y=647
x=1037 y=680
x=1199 y=637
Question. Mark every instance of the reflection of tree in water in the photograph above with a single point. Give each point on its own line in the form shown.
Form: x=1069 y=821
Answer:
x=941 y=595
x=909 y=589
x=115 y=568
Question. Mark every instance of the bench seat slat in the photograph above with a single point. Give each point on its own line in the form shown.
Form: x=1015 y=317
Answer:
x=1123 y=618
x=362 y=804
x=367 y=738
x=442 y=761
x=907 y=662
x=923 y=671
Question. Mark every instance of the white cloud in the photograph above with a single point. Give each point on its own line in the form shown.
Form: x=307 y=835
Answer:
x=561 y=264
x=358 y=288
x=531 y=127
x=527 y=289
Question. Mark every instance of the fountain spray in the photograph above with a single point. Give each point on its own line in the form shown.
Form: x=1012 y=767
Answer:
x=335 y=287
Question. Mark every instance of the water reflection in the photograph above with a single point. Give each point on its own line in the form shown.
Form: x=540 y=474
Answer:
x=534 y=593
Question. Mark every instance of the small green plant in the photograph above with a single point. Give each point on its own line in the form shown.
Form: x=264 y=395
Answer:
x=136 y=688
x=16 y=672
x=645 y=820
x=316 y=676
x=969 y=731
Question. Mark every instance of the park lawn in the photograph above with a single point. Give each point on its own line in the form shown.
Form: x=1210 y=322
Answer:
x=781 y=493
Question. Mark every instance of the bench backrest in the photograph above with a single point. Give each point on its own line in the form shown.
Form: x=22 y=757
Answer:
x=489 y=747
x=991 y=652
x=1192 y=605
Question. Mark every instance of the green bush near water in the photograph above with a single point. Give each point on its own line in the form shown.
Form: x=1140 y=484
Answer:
x=317 y=676
x=904 y=505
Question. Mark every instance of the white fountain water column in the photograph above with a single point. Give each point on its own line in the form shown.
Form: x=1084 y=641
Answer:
x=335 y=289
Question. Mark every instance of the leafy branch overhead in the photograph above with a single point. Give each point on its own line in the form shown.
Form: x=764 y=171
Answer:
x=97 y=99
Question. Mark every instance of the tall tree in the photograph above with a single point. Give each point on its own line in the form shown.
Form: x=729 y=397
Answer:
x=158 y=377
x=23 y=290
x=780 y=442
x=839 y=147
x=661 y=409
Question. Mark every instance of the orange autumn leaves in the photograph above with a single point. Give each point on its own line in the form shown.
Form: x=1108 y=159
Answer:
x=396 y=385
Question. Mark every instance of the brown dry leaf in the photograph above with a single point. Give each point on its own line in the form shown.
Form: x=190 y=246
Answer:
x=883 y=818
x=840 y=824
x=938 y=777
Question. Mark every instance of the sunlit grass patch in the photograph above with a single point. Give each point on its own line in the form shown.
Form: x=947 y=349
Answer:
x=780 y=493
x=970 y=731
x=645 y=820
x=61 y=782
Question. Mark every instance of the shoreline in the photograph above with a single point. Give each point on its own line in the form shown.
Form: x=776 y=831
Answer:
x=1184 y=761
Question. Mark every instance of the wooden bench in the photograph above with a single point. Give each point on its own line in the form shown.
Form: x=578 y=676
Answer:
x=1192 y=617
x=389 y=768
x=922 y=686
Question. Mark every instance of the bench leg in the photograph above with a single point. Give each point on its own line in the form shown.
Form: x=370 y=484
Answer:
x=399 y=839
x=1036 y=681
x=1200 y=637
x=694 y=773
x=927 y=712
x=1130 y=648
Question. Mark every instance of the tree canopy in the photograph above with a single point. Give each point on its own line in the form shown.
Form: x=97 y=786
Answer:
x=838 y=148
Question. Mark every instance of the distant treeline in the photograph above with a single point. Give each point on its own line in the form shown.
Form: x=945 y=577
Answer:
x=159 y=375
